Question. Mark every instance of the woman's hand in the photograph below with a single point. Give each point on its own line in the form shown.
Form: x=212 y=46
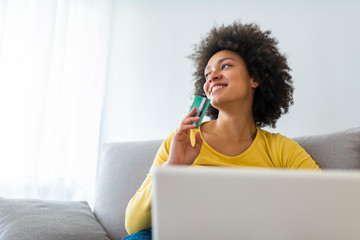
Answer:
x=181 y=150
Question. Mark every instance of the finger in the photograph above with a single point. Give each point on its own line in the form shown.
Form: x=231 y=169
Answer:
x=190 y=120
x=198 y=141
x=187 y=127
x=191 y=113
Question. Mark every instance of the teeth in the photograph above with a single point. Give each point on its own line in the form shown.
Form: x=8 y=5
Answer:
x=217 y=87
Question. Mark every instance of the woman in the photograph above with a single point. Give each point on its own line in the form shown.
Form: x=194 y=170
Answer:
x=247 y=79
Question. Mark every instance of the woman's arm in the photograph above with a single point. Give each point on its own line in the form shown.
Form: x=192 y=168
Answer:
x=138 y=211
x=176 y=149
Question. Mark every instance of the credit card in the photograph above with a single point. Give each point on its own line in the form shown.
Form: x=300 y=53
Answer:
x=201 y=104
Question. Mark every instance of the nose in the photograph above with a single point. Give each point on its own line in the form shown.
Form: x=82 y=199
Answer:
x=215 y=75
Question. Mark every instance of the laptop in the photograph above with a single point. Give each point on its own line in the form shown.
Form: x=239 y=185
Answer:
x=255 y=204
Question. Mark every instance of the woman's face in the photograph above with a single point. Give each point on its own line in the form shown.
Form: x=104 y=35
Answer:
x=228 y=80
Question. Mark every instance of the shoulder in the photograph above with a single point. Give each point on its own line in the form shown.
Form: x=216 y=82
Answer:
x=167 y=142
x=162 y=154
x=289 y=153
x=277 y=144
x=275 y=138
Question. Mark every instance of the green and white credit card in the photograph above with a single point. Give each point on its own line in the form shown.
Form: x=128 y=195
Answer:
x=201 y=104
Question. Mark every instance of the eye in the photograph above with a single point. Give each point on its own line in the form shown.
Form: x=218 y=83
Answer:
x=224 y=66
x=207 y=75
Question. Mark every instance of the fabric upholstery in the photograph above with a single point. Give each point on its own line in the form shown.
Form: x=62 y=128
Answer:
x=22 y=219
x=338 y=150
x=122 y=170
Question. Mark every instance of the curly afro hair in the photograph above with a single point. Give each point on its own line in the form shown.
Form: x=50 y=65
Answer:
x=264 y=62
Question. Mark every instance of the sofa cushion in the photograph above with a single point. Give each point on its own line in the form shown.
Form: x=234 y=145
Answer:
x=22 y=219
x=338 y=150
x=122 y=170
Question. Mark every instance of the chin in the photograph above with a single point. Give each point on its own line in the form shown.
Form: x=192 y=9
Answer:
x=215 y=103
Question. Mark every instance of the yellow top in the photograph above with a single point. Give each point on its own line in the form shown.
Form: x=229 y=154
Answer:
x=268 y=150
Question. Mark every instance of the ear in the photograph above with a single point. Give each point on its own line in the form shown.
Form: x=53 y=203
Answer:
x=254 y=83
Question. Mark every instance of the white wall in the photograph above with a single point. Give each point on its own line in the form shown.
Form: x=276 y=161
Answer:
x=150 y=79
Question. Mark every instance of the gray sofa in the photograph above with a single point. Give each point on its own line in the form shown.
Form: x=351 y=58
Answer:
x=123 y=167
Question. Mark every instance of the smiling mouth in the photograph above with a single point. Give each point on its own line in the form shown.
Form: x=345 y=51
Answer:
x=216 y=88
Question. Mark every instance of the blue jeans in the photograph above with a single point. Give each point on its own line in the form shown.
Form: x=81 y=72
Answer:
x=142 y=235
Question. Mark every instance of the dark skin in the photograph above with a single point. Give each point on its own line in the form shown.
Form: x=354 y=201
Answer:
x=264 y=62
x=231 y=90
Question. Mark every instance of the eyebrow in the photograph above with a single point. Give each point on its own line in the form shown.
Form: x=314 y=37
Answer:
x=220 y=61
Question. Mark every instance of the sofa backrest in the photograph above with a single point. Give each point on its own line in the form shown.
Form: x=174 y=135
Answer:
x=122 y=170
x=124 y=166
x=338 y=150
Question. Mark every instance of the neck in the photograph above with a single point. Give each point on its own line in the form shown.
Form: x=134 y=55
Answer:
x=235 y=126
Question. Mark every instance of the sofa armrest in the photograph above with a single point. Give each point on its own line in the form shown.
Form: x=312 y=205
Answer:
x=23 y=219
